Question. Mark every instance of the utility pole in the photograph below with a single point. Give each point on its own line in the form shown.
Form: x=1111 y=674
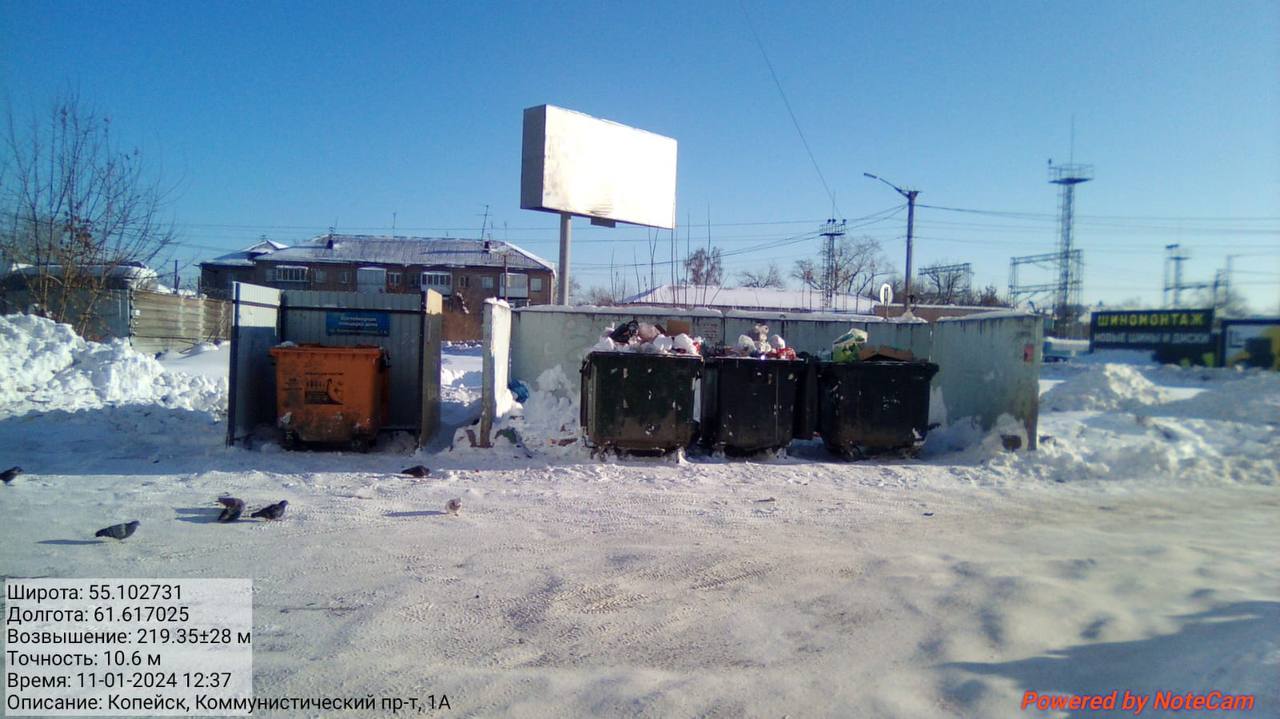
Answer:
x=830 y=272
x=1174 y=257
x=911 y=220
x=911 y=224
x=566 y=235
x=1067 y=301
x=504 y=275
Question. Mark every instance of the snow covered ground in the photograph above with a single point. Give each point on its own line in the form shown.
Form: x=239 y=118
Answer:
x=1138 y=549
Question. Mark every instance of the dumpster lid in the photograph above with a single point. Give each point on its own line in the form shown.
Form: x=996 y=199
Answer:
x=327 y=349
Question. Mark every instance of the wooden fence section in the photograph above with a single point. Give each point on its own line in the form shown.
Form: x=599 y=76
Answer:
x=161 y=322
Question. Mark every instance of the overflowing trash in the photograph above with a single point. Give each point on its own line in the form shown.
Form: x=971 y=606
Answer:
x=750 y=394
x=647 y=338
x=848 y=346
x=759 y=344
x=639 y=401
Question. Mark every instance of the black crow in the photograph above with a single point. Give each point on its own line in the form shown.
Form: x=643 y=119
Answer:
x=118 y=531
x=625 y=332
x=10 y=473
x=272 y=511
x=416 y=471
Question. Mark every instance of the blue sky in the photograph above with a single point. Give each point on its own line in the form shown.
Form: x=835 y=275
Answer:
x=284 y=119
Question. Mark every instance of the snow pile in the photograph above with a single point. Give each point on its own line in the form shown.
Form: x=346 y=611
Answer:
x=1253 y=398
x=194 y=350
x=550 y=415
x=1223 y=430
x=545 y=425
x=460 y=377
x=460 y=385
x=1104 y=388
x=48 y=366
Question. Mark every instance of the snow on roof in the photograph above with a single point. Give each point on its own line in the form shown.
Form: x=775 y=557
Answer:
x=444 y=252
x=994 y=313
x=621 y=310
x=750 y=298
x=132 y=272
x=245 y=257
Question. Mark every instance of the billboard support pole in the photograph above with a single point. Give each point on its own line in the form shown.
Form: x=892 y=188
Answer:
x=566 y=234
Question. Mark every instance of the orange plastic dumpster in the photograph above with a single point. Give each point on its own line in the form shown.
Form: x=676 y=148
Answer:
x=334 y=395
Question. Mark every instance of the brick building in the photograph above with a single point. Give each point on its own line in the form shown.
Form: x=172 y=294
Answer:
x=465 y=272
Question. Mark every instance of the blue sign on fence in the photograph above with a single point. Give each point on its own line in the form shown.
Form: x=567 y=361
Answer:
x=351 y=322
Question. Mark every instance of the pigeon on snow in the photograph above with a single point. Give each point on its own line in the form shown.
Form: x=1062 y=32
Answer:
x=272 y=511
x=232 y=508
x=453 y=506
x=118 y=531
x=8 y=475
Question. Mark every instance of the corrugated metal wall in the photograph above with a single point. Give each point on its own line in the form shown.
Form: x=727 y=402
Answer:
x=110 y=316
x=252 y=399
x=543 y=337
x=989 y=364
x=152 y=321
x=162 y=321
x=312 y=316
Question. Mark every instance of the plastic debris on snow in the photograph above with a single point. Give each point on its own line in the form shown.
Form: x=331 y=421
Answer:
x=49 y=367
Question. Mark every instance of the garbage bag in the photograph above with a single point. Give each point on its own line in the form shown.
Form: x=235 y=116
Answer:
x=848 y=345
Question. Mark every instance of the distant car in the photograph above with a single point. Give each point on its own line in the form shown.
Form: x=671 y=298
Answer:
x=1060 y=350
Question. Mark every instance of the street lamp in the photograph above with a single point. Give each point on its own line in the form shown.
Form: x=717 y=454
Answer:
x=911 y=216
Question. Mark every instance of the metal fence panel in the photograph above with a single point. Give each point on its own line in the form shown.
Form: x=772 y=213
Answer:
x=990 y=366
x=251 y=400
x=164 y=321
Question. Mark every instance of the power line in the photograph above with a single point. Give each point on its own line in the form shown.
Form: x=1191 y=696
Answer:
x=834 y=210
x=1052 y=216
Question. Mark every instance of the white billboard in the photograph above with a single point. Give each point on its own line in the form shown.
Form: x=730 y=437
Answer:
x=581 y=165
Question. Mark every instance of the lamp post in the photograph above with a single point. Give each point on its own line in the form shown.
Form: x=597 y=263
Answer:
x=911 y=216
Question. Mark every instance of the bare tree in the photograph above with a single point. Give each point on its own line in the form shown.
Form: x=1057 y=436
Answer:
x=77 y=213
x=704 y=267
x=598 y=296
x=946 y=283
x=771 y=277
x=860 y=265
x=1226 y=301
x=989 y=297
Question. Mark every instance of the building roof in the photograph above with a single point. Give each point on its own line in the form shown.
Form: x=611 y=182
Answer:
x=124 y=274
x=439 y=251
x=245 y=257
x=749 y=298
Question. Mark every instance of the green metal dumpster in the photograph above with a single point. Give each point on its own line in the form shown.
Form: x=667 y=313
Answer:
x=752 y=405
x=639 y=402
x=866 y=407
